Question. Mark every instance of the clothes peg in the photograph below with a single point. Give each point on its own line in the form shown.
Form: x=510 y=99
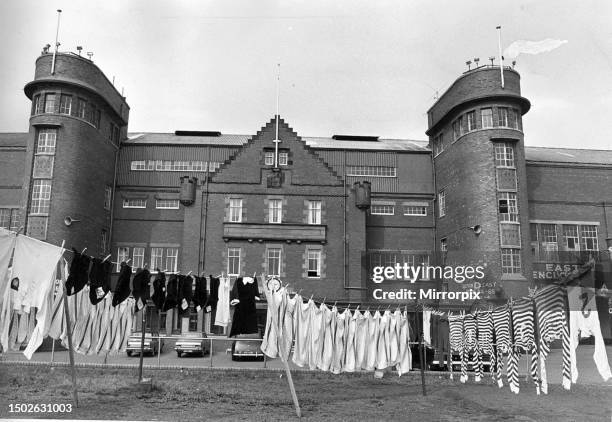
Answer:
x=189 y=273
x=83 y=251
x=63 y=241
x=324 y=297
x=128 y=260
x=106 y=258
x=145 y=266
x=311 y=296
x=21 y=228
x=335 y=303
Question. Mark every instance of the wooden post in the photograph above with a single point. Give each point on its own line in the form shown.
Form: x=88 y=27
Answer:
x=70 y=351
x=421 y=353
x=284 y=356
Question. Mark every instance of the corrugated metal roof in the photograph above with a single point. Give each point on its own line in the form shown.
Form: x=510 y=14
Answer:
x=567 y=155
x=12 y=139
x=315 y=142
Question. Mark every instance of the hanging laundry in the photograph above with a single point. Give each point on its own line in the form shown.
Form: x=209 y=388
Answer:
x=213 y=297
x=440 y=340
x=159 y=290
x=200 y=296
x=99 y=280
x=552 y=325
x=222 y=303
x=361 y=338
x=315 y=338
x=584 y=322
x=501 y=328
x=141 y=288
x=122 y=289
x=405 y=355
x=340 y=341
x=301 y=317
x=171 y=293
x=427 y=326
x=372 y=341
x=455 y=323
x=470 y=348
x=185 y=294
x=485 y=340
x=523 y=333
x=288 y=331
x=326 y=337
x=382 y=358
x=350 y=355
x=7 y=244
x=35 y=265
x=79 y=270
x=243 y=295
x=269 y=344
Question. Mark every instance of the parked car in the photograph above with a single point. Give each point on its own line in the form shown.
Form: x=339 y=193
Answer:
x=192 y=343
x=242 y=349
x=152 y=345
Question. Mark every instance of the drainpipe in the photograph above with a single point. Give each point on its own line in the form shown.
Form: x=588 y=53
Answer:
x=345 y=243
x=204 y=217
x=113 y=197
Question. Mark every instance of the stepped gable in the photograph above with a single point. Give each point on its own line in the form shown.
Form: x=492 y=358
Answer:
x=305 y=166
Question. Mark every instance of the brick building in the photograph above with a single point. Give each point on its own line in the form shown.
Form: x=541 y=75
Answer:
x=320 y=213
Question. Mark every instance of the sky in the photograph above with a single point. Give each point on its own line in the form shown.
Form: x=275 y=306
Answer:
x=356 y=67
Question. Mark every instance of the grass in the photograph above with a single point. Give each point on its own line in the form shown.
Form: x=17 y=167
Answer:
x=191 y=395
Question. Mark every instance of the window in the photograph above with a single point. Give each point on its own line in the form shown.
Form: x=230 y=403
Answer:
x=10 y=218
x=419 y=210
x=96 y=118
x=167 y=204
x=36 y=106
x=123 y=253
x=163 y=165
x=503 y=117
x=81 y=108
x=438 y=144
x=275 y=209
x=382 y=209
x=283 y=158
x=514 y=116
x=442 y=203
x=589 y=238
x=487 y=117
x=50 y=103
x=138 y=165
x=5 y=218
x=171 y=259
x=138 y=255
x=504 y=154
x=511 y=261
x=65 y=104
x=570 y=234
x=46 y=141
x=41 y=197
x=103 y=241
x=235 y=210
x=374 y=171
x=444 y=245
x=198 y=166
x=471 y=121
x=508 y=209
x=233 y=262
x=314 y=263
x=114 y=133
x=314 y=212
x=181 y=166
x=456 y=129
x=134 y=203
x=461 y=125
x=273 y=264
x=269 y=158
x=548 y=239
x=157 y=259
x=15 y=220
x=108 y=197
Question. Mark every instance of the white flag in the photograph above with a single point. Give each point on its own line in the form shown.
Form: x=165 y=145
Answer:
x=531 y=47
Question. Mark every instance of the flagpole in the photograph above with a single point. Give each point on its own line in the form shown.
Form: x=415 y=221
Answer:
x=59 y=12
x=501 y=58
x=277 y=107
